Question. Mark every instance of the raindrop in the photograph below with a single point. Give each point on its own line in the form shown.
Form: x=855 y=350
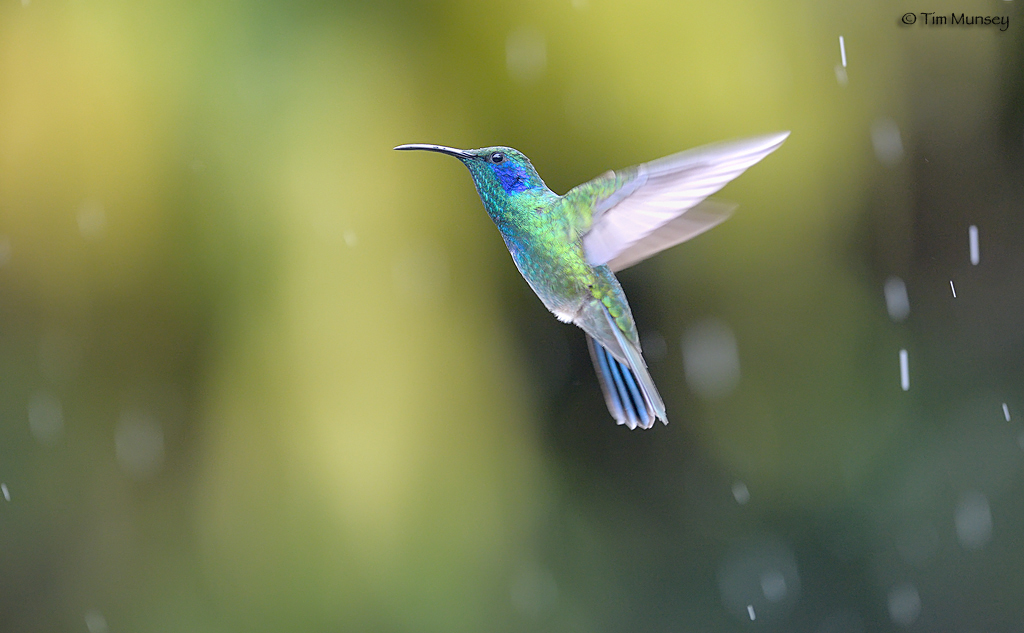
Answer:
x=750 y=612
x=711 y=361
x=95 y=622
x=92 y=219
x=526 y=55
x=762 y=575
x=841 y=77
x=422 y=272
x=842 y=50
x=45 y=417
x=7 y=493
x=972 y=238
x=904 y=370
x=1006 y=412
x=773 y=586
x=139 y=444
x=973 y=521
x=897 y=304
x=740 y=492
x=351 y=239
x=533 y=590
x=904 y=604
x=885 y=137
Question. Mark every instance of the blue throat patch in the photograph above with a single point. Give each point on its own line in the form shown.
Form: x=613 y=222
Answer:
x=511 y=177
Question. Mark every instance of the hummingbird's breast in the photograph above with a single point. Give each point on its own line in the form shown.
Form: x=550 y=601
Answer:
x=549 y=254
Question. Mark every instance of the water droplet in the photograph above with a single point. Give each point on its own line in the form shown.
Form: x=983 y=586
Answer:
x=740 y=492
x=92 y=219
x=973 y=521
x=95 y=622
x=45 y=417
x=139 y=444
x=7 y=493
x=885 y=137
x=904 y=604
x=904 y=370
x=841 y=77
x=422 y=272
x=711 y=361
x=760 y=574
x=534 y=590
x=972 y=238
x=351 y=239
x=773 y=585
x=897 y=304
x=526 y=55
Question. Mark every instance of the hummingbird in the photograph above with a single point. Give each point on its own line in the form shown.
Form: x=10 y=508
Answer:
x=569 y=247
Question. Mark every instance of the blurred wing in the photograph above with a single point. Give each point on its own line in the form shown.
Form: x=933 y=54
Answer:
x=656 y=193
x=706 y=215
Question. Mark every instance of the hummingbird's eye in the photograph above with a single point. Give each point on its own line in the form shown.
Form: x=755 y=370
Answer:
x=497 y=157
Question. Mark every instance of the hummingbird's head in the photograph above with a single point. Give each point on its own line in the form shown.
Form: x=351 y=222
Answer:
x=495 y=170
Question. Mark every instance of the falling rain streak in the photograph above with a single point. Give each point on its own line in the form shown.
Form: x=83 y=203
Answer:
x=1006 y=412
x=750 y=612
x=841 y=77
x=952 y=288
x=7 y=493
x=972 y=234
x=904 y=370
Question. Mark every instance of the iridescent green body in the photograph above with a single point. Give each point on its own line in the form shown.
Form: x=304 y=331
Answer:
x=545 y=232
x=542 y=231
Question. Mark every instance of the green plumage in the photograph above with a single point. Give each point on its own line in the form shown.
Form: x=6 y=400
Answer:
x=566 y=247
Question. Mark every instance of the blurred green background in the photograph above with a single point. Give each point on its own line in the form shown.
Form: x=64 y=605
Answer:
x=258 y=372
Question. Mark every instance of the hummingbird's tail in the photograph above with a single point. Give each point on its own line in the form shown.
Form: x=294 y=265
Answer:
x=624 y=392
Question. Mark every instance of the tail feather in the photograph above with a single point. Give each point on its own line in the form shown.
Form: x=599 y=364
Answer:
x=627 y=403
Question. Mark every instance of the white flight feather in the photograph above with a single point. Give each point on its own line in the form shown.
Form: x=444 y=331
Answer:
x=663 y=190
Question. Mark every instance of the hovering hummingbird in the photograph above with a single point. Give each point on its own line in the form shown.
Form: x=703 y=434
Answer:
x=568 y=248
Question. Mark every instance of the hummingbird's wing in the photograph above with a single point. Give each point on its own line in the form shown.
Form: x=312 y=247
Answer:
x=705 y=215
x=636 y=203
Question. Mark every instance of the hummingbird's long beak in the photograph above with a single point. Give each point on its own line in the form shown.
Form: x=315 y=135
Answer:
x=451 y=151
